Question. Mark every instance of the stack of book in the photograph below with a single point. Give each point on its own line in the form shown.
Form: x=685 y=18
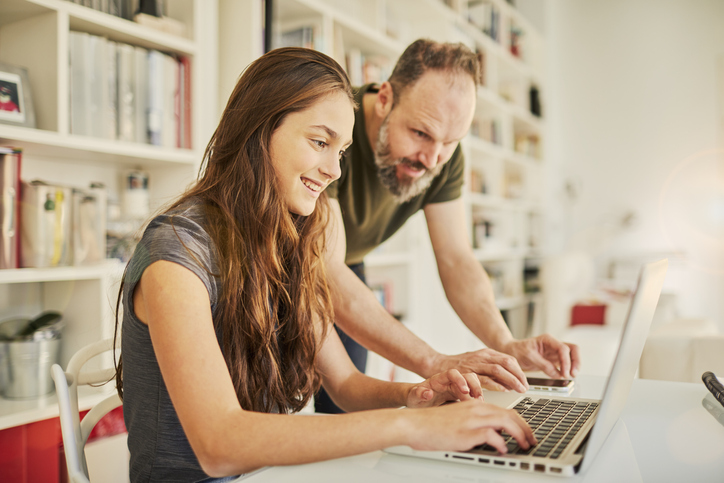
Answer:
x=486 y=17
x=127 y=93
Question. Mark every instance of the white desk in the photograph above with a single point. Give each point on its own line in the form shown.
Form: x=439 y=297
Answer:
x=664 y=435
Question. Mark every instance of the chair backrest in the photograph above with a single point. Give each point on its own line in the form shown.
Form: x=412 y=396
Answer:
x=75 y=433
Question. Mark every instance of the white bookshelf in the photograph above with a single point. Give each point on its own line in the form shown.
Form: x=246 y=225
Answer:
x=35 y=34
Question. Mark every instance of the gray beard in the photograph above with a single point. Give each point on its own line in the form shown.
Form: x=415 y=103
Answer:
x=403 y=191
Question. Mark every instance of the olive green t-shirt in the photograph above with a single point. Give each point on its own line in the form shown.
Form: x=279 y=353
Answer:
x=370 y=212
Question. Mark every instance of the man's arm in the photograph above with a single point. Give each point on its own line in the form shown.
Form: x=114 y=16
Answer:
x=363 y=318
x=470 y=293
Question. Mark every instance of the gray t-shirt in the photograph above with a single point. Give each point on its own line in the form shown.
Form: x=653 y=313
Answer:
x=158 y=445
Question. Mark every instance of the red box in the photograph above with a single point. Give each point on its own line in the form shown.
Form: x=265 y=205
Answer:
x=588 y=315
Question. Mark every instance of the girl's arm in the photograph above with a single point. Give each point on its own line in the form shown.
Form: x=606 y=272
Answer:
x=227 y=440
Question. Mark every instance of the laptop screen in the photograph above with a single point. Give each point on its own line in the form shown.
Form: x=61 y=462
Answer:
x=633 y=339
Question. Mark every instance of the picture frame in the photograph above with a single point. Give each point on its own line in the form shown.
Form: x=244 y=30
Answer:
x=16 y=102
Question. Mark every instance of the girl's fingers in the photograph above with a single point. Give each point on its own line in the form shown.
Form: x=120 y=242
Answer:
x=456 y=384
x=476 y=390
x=494 y=439
x=520 y=431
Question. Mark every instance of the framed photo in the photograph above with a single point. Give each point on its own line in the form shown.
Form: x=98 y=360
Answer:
x=16 y=103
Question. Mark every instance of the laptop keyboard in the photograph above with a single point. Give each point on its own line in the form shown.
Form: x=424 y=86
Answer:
x=555 y=422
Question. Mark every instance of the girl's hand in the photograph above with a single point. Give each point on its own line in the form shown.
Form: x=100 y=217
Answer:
x=446 y=386
x=464 y=425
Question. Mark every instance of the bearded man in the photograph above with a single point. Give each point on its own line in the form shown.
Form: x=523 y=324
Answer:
x=406 y=157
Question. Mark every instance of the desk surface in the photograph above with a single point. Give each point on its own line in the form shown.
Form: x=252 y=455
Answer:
x=665 y=434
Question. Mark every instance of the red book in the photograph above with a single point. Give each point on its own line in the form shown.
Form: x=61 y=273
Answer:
x=186 y=102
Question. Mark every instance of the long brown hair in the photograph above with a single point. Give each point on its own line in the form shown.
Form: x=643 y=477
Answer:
x=275 y=304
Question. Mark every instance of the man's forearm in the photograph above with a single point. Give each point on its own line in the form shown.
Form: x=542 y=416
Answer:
x=469 y=291
x=360 y=315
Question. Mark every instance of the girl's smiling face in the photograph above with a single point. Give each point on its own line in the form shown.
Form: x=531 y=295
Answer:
x=306 y=148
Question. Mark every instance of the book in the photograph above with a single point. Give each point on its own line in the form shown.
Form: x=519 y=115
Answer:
x=298 y=37
x=111 y=107
x=79 y=79
x=180 y=113
x=186 y=103
x=126 y=93
x=162 y=24
x=140 y=71
x=98 y=88
x=354 y=66
x=10 y=162
x=154 y=109
x=169 y=130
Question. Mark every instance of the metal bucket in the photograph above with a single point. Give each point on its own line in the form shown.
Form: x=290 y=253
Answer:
x=25 y=367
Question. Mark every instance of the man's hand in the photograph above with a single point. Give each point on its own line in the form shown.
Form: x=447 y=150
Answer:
x=545 y=353
x=496 y=371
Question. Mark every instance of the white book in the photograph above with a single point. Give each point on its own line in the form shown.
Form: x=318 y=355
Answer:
x=354 y=66
x=156 y=85
x=79 y=79
x=141 y=99
x=181 y=105
x=97 y=86
x=126 y=93
x=170 y=98
x=111 y=79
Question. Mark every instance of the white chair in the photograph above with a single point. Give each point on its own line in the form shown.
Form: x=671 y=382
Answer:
x=75 y=432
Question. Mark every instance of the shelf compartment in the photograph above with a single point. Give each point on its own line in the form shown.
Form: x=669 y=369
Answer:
x=40 y=143
x=12 y=11
x=84 y=19
x=354 y=34
x=16 y=412
x=98 y=23
x=57 y=274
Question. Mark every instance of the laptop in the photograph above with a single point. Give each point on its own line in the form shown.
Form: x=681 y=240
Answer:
x=570 y=431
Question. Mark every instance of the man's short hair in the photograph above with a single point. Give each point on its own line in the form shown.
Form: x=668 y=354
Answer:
x=425 y=54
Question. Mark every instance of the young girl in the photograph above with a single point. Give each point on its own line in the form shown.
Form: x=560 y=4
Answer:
x=227 y=311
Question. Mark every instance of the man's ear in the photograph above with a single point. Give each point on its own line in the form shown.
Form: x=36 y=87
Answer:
x=385 y=100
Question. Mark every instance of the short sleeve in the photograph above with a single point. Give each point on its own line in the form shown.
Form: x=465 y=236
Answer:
x=453 y=186
x=180 y=239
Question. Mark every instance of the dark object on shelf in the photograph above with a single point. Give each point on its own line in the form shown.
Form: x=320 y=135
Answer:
x=149 y=7
x=268 y=24
x=535 y=101
x=46 y=325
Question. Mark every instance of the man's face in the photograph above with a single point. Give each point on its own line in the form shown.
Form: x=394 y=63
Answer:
x=420 y=133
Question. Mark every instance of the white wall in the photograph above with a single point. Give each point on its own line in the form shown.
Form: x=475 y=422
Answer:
x=633 y=108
